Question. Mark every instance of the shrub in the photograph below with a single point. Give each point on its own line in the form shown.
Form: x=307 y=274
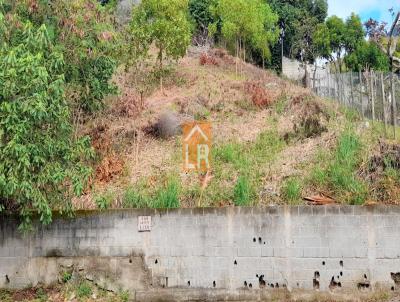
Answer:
x=206 y=59
x=260 y=96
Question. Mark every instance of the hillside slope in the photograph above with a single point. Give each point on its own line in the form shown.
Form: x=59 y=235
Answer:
x=273 y=142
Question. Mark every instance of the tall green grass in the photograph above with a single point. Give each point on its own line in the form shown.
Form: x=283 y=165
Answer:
x=291 y=191
x=340 y=173
x=242 y=191
x=167 y=197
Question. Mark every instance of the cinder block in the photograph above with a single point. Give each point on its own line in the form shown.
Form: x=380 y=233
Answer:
x=267 y=251
x=316 y=252
x=249 y=251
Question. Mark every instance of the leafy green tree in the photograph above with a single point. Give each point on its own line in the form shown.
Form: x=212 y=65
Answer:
x=163 y=23
x=246 y=21
x=201 y=14
x=298 y=20
x=41 y=164
x=354 y=34
x=367 y=56
x=84 y=32
x=336 y=38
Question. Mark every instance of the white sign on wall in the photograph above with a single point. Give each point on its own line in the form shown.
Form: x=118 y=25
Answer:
x=144 y=223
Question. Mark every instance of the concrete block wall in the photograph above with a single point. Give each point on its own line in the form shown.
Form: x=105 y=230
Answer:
x=322 y=247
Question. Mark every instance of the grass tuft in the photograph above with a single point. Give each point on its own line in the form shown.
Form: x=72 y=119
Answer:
x=168 y=197
x=242 y=192
x=291 y=191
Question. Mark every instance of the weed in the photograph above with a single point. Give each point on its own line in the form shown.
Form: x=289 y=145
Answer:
x=351 y=114
x=83 y=290
x=66 y=276
x=104 y=201
x=133 y=199
x=202 y=115
x=168 y=197
x=291 y=190
x=124 y=296
x=280 y=104
x=340 y=172
x=41 y=295
x=229 y=153
x=246 y=104
x=242 y=191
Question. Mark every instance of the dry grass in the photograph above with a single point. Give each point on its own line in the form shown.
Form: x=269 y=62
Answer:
x=242 y=104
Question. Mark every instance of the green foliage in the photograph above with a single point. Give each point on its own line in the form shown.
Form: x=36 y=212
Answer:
x=335 y=37
x=66 y=276
x=299 y=20
x=340 y=174
x=367 y=56
x=291 y=191
x=41 y=295
x=200 y=12
x=83 y=290
x=133 y=199
x=124 y=296
x=168 y=197
x=105 y=200
x=41 y=165
x=242 y=192
x=354 y=33
x=164 y=23
x=250 y=22
x=83 y=32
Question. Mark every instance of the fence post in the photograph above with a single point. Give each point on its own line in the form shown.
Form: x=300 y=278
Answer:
x=351 y=87
x=394 y=105
x=329 y=82
x=383 y=103
x=372 y=95
x=361 y=95
x=337 y=87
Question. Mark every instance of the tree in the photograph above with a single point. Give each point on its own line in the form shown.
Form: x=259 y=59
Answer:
x=201 y=14
x=336 y=39
x=368 y=56
x=87 y=37
x=164 y=23
x=377 y=33
x=298 y=20
x=41 y=164
x=244 y=22
x=354 y=34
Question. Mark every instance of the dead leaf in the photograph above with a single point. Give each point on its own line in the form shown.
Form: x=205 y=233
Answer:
x=321 y=199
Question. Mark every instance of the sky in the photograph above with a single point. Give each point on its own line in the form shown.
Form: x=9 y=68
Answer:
x=376 y=9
